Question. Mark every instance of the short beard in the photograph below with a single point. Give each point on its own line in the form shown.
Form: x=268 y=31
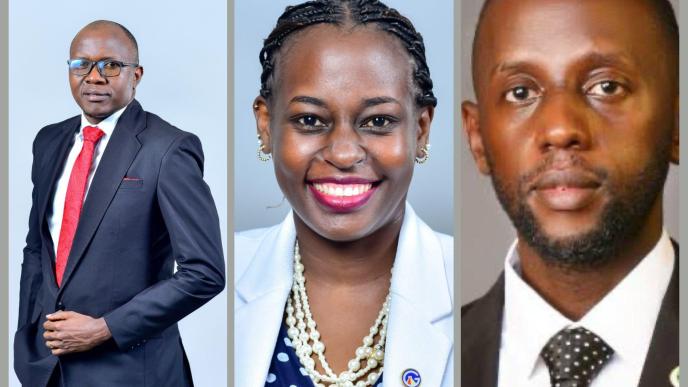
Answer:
x=621 y=219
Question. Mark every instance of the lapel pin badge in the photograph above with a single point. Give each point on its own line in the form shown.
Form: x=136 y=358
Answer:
x=673 y=377
x=410 y=378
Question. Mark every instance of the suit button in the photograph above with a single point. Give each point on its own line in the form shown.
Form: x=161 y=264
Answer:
x=60 y=306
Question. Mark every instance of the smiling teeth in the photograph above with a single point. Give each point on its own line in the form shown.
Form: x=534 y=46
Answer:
x=342 y=189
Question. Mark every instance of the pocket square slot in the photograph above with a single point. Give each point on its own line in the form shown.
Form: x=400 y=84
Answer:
x=129 y=183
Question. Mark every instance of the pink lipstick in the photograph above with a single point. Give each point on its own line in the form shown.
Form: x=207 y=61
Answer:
x=343 y=195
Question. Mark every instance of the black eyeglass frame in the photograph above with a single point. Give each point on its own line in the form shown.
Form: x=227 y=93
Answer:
x=100 y=65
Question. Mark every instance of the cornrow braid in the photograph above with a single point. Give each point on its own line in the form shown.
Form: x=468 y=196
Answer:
x=343 y=12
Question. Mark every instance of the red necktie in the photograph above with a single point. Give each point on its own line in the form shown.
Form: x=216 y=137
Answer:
x=74 y=198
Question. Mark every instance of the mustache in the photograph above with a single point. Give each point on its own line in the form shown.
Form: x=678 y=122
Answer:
x=555 y=163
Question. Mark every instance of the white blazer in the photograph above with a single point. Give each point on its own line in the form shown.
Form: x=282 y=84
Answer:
x=420 y=330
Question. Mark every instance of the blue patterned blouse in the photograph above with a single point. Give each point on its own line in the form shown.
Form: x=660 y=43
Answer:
x=285 y=368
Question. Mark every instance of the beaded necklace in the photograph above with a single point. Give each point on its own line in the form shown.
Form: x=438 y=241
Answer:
x=306 y=339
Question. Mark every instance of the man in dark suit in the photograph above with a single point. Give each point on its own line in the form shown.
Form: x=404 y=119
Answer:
x=118 y=198
x=576 y=123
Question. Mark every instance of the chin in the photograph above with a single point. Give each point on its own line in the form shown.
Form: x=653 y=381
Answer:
x=336 y=227
x=94 y=110
x=597 y=234
x=562 y=227
x=340 y=236
x=343 y=232
x=577 y=243
x=583 y=249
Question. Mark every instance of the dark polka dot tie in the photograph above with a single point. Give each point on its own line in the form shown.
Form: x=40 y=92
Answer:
x=574 y=357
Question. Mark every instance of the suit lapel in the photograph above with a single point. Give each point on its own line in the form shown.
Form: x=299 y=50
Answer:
x=58 y=156
x=264 y=288
x=662 y=356
x=419 y=332
x=118 y=156
x=481 y=327
x=481 y=332
x=421 y=302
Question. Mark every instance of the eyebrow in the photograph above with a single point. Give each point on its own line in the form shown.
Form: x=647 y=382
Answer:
x=511 y=66
x=367 y=102
x=110 y=58
x=613 y=59
x=86 y=58
x=590 y=60
x=370 y=102
x=308 y=100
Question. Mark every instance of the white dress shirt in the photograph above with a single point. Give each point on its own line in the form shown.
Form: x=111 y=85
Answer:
x=107 y=126
x=625 y=319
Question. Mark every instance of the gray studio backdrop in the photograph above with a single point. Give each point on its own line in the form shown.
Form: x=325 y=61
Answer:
x=258 y=199
x=486 y=232
x=183 y=51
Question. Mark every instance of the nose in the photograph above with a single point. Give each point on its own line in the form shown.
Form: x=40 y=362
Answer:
x=563 y=124
x=94 y=76
x=344 y=149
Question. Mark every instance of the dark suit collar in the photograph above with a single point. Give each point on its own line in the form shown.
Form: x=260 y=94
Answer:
x=58 y=151
x=118 y=156
x=662 y=356
x=132 y=119
x=481 y=331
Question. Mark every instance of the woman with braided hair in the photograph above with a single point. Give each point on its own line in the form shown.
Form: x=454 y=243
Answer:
x=352 y=288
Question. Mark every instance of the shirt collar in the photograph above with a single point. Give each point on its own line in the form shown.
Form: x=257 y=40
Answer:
x=632 y=304
x=528 y=319
x=107 y=125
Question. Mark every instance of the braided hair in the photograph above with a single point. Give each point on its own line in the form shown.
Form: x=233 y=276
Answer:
x=348 y=12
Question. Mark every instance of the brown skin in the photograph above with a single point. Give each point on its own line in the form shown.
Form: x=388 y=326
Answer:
x=68 y=331
x=574 y=79
x=96 y=42
x=348 y=257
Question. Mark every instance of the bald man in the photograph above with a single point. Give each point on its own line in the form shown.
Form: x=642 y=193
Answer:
x=576 y=123
x=118 y=199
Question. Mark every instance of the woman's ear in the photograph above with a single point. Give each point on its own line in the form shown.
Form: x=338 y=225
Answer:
x=471 y=126
x=262 y=114
x=423 y=133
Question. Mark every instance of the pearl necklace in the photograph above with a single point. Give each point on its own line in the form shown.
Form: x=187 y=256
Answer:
x=300 y=320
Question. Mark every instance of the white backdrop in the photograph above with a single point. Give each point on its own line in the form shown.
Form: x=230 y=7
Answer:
x=183 y=48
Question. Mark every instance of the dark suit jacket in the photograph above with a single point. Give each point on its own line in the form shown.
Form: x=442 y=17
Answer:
x=481 y=330
x=130 y=233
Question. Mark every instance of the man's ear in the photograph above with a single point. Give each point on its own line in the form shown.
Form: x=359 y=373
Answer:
x=138 y=74
x=423 y=133
x=262 y=114
x=675 y=148
x=471 y=126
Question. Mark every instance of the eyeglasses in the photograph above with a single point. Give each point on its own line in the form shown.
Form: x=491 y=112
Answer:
x=106 y=67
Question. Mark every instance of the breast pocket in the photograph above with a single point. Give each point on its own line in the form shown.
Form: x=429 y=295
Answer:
x=129 y=183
